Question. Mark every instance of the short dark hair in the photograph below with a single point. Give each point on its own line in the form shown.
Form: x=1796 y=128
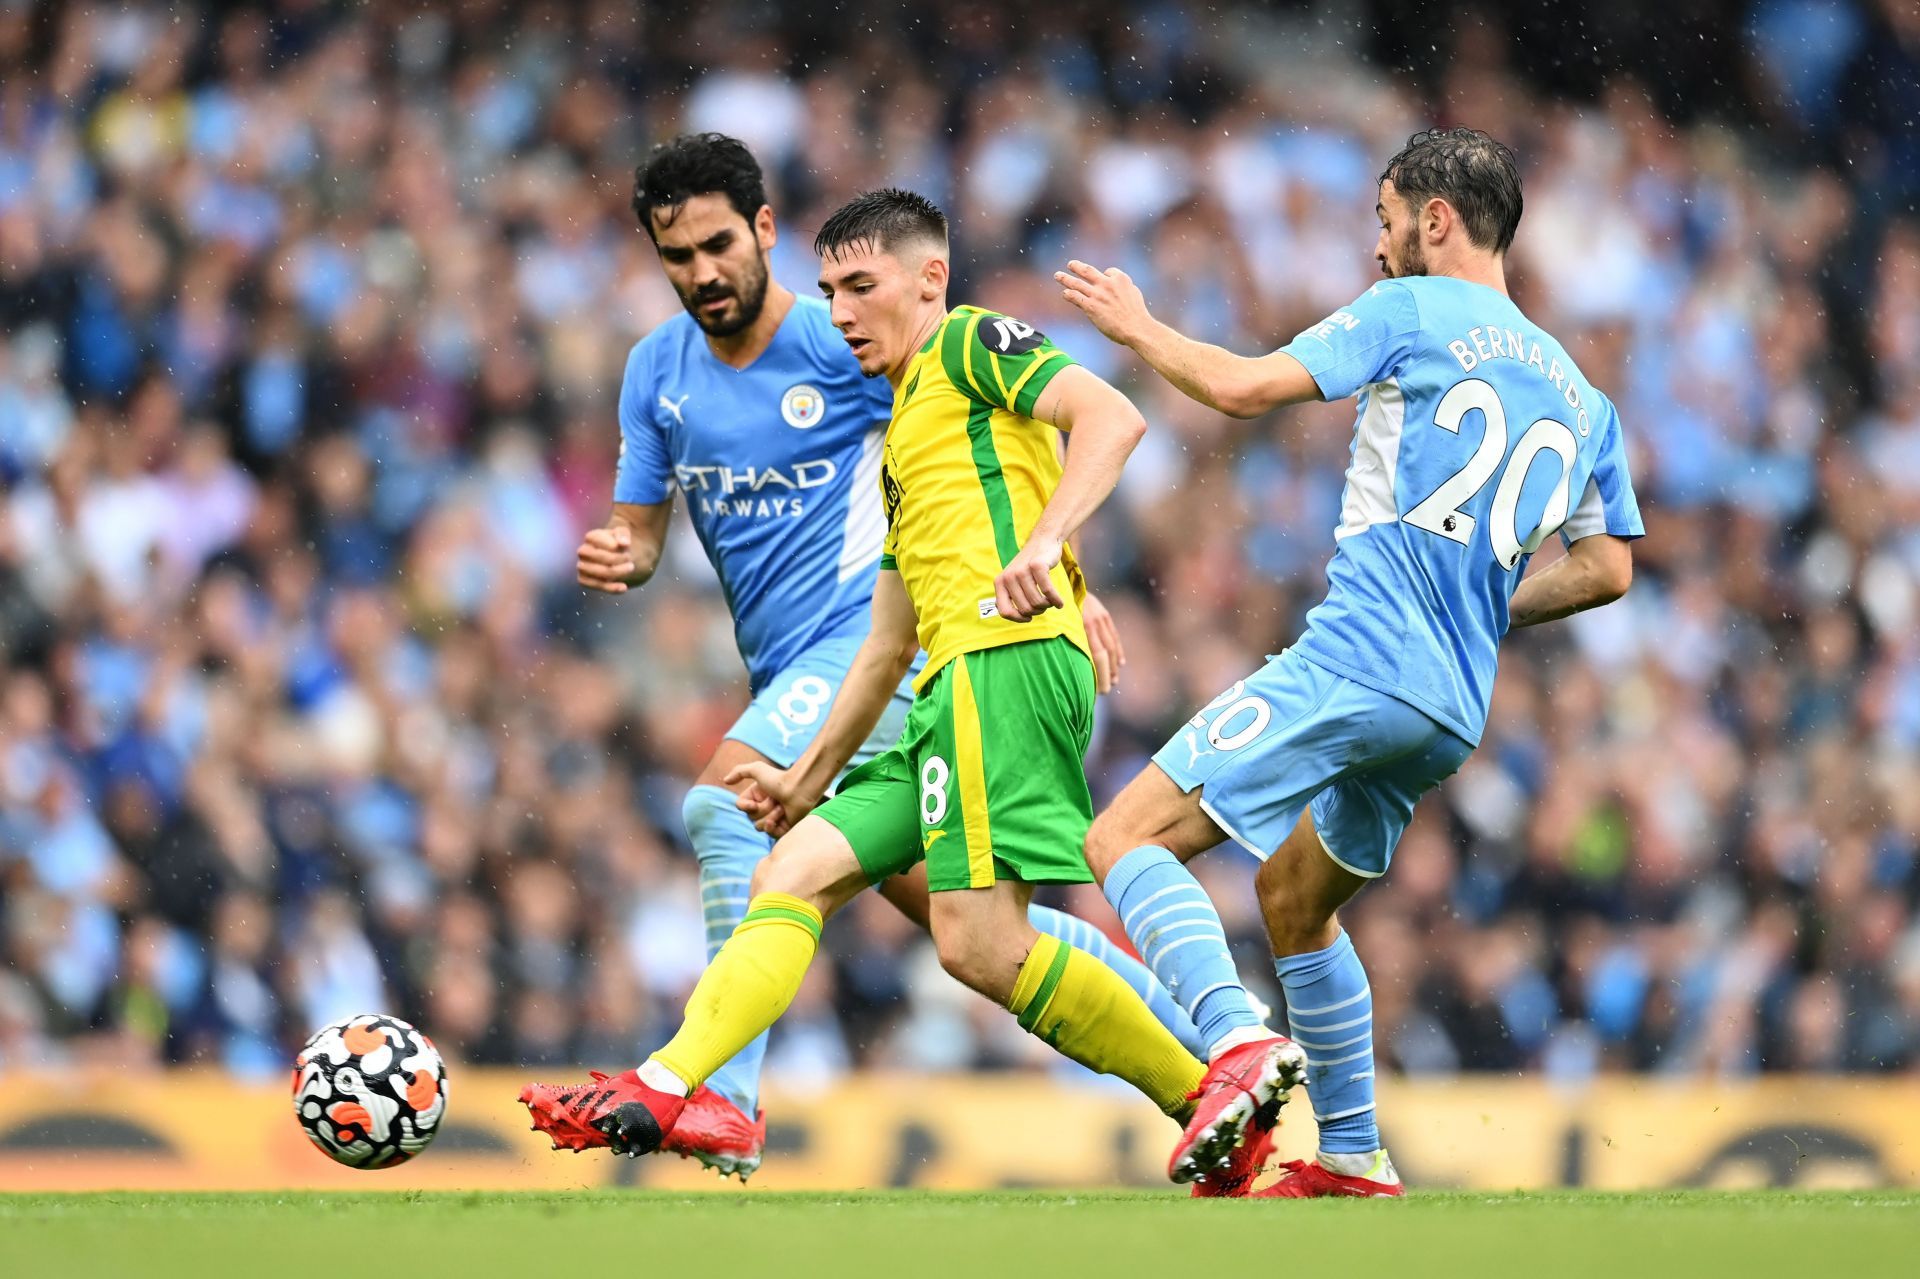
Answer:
x=1472 y=171
x=698 y=164
x=883 y=218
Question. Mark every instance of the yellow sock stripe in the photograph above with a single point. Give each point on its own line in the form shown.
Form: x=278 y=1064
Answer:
x=768 y=907
x=1049 y=982
x=1033 y=971
x=970 y=764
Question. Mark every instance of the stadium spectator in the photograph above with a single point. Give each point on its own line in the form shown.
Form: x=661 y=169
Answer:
x=313 y=318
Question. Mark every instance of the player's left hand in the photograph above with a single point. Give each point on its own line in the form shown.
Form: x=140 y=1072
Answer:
x=1103 y=637
x=1109 y=298
x=1025 y=588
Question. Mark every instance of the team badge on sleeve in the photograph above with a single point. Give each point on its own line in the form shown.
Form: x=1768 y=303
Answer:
x=803 y=406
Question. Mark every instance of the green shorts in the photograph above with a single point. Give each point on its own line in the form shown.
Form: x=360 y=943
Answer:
x=986 y=782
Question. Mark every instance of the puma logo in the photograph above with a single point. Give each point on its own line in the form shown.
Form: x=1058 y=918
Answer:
x=673 y=407
x=1193 y=745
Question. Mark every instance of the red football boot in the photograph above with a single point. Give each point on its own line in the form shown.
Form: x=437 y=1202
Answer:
x=552 y=1108
x=631 y=1118
x=1249 y=1160
x=1306 y=1179
x=718 y=1134
x=1242 y=1084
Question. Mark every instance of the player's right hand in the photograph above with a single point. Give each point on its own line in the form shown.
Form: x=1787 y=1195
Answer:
x=1109 y=298
x=771 y=796
x=604 y=560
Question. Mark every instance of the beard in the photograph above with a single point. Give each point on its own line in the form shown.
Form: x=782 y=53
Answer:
x=1405 y=257
x=749 y=300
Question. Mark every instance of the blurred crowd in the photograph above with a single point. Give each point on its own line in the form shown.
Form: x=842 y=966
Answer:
x=313 y=320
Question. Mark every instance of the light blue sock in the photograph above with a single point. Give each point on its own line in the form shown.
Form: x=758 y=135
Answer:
x=1081 y=935
x=728 y=848
x=1174 y=926
x=1330 y=1015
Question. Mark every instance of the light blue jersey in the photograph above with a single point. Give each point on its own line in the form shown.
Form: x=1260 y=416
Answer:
x=1477 y=439
x=780 y=465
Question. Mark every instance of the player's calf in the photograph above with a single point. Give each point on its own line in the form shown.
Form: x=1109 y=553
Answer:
x=1297 y=914
x=1136 y=850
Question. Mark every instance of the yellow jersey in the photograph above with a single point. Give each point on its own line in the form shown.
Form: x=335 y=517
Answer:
x=966 y=474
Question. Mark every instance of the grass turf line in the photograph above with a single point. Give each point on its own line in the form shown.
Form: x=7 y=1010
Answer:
x=924 y=1235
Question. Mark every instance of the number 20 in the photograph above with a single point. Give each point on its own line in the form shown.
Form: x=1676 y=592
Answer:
x=1440 y=513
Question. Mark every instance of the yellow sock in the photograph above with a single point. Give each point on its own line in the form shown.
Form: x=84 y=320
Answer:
x=746 y=987
x=1085 y=1010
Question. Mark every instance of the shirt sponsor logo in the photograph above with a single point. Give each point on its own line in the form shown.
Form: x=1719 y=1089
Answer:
x=758 y=491
x=1009 y=336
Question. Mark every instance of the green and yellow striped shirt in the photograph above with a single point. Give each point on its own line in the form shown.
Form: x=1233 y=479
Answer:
x=968 y=471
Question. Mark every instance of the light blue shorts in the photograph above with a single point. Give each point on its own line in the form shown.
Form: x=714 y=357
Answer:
x=782 y=721
x=1294 y=735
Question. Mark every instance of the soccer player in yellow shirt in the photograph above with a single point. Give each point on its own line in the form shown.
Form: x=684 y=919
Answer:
x=986 y=783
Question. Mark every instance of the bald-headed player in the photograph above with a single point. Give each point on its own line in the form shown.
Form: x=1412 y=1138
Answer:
x=752 y=408
x=986 y=783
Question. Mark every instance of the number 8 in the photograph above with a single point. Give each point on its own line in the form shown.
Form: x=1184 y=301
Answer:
x=802 y=703
x=934 y=775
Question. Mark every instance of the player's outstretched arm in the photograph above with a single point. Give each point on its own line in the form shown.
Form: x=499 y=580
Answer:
x=1595 y=570
x=626 y=552
x=1237 y=385
x=777 y=798
x=1102 y=429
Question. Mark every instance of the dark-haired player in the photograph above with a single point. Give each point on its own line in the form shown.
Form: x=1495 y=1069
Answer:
x=751 y=406
x=986 y=784
x=1477 y=439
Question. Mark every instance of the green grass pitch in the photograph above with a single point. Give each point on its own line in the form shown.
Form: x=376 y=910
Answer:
x=921 y=1235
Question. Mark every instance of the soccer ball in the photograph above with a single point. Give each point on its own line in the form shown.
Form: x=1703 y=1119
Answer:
x=370 y=1091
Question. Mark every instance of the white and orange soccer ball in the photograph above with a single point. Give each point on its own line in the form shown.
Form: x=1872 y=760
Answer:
x=370 y=1091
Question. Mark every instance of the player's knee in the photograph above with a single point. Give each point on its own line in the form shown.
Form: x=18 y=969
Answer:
x=788 y=870
x=959 y=954
x=706 y=812
x=976 y=963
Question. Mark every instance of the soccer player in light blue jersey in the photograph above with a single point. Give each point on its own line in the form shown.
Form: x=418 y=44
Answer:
x=1476 y=438
x=752 y=407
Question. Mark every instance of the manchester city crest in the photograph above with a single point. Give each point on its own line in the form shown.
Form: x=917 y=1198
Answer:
x=803 y=406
